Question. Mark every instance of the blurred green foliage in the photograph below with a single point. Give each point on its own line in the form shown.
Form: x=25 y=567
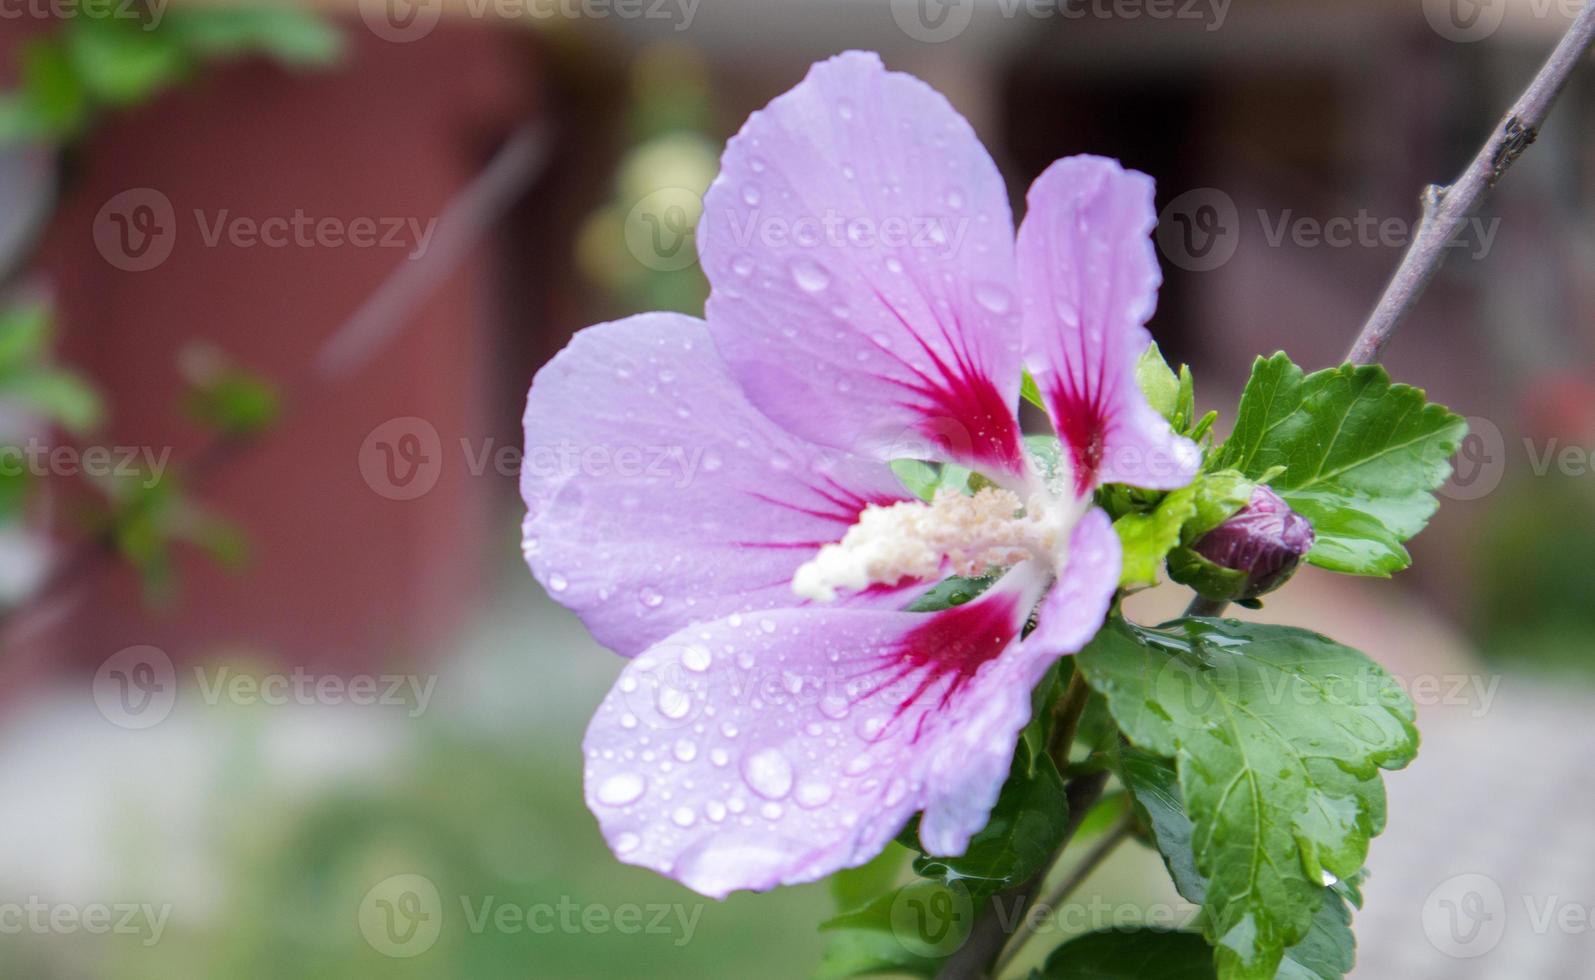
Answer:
x=112 y=54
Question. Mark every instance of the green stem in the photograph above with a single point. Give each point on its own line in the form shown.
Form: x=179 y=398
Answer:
x=1093 y=859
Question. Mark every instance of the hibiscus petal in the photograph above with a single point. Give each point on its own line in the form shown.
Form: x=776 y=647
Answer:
x=658 y=497
x=780 y=747
x=980 y=749
x=1073 y=611
x=1088 y=278
x=860 y=248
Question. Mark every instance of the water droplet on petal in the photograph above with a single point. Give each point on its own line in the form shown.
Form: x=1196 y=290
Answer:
x=686 y=750
x=742 y=265
x=626 y=843
x=621 y=788
x=993 y=297
x=811 y=794
x=810 y=275
x=683 y=817
x=650 y=597
x=557 y=583
x=696 y=658
x=768 y=773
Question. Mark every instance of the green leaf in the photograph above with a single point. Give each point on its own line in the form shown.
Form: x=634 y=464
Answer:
x=24 y=336
x=852 y=888
x=1159 y=383
x=1147 y=537
x=52 y=102
x=290 y=35
x=58 y=395
x=953 y=591
x=234 y=402
x=1278 y=736
x=1030 y=391
x=1024 y=831
x=1135 y=954
x=911 y=930
x=1328 y=949
x=1155 y=792
x=119 y=63
x=1361 y=457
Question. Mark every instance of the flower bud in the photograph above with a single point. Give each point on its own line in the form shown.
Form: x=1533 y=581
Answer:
x=1264 y=541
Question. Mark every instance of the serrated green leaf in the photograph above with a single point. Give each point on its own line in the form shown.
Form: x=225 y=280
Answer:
x=1158 y=383
x=1133 y=954
x=1155 y=791
x=1328 y=949
x=1278 y=736
x=1026 y=826
x=1361 y=457
x=1147 y=537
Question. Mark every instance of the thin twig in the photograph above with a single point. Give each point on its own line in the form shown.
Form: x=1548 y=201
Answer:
x=1445 y=209
x=1116 y=835
x=989 y=934
x=1066 y=719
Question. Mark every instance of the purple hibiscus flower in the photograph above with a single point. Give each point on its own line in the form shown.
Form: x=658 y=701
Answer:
x=725 y=513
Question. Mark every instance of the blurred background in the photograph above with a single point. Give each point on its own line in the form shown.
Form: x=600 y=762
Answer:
x=278 y=697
